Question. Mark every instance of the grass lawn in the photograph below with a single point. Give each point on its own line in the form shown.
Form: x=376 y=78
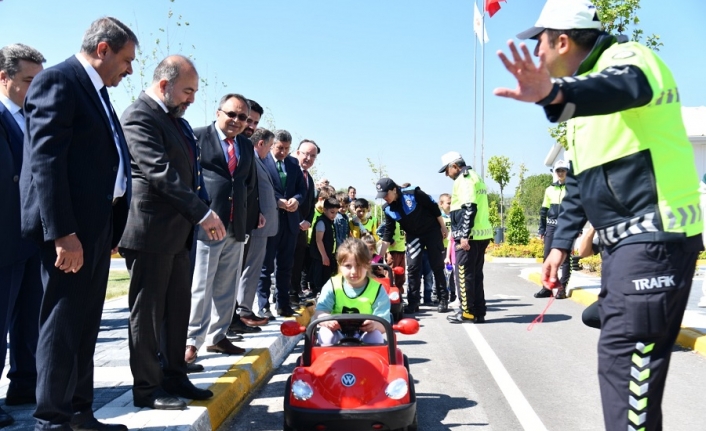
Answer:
x=118 y=283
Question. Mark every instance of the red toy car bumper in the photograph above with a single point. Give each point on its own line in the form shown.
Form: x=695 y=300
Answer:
x=350 y=420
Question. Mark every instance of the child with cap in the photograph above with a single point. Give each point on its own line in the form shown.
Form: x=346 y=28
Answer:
x=323 y=251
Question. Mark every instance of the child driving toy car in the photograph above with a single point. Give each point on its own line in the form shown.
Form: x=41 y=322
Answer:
x=352 y=290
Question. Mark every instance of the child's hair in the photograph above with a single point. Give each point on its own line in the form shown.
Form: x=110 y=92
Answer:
x=369 y=240
x=331 y=203
x=361 y=203
x=444 y=195
x=343 y=198
x=355 y=248
x=324 y=194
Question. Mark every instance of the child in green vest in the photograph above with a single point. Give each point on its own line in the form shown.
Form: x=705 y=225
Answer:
x=352 y=290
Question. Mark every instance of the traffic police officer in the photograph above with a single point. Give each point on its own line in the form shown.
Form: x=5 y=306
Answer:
x=634 y=178
x=548 y=215
x=471 y=231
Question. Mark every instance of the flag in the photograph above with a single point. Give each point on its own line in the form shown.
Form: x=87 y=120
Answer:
x=478 y=25
x=492 y=6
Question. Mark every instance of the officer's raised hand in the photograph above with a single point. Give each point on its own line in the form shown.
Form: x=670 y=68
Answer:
x=533 y=81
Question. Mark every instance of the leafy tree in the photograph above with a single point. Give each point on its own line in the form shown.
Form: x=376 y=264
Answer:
x=493 y=215
x=531 y=196
x=499 y=170
x=378 y=169
x=517 y=232
x=618 y=17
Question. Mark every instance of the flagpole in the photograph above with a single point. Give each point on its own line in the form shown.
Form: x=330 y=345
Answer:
x=475 y=96
x=482 y=100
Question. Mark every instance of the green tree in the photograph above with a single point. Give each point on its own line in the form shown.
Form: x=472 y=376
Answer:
x=493 y=215
x=517 y=232
x=531 y=196
x=618 y=17
x=499 y=169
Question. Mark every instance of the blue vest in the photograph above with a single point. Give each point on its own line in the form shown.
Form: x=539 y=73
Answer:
x=409 y=203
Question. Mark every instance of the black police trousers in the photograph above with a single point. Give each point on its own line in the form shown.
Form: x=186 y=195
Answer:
x=566 y=265
x=433 y=242
x=469 y=270
x=644 y=291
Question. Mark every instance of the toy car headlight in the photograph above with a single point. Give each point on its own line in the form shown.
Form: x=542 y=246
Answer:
x=302 y=390
x=396 y=389
x=394 y=296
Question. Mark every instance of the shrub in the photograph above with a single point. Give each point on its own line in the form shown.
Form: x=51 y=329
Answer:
x=535 y=249
x=517 y=232
x=592 y=263
x=702 y=255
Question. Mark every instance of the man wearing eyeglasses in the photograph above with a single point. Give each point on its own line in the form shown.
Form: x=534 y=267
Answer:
x=227 y=165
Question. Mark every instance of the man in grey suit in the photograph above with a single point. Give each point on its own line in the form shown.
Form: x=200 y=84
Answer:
x=75 y=191
x=169 y=199
x=20 y=277
x=262 y=140
x=226 y=161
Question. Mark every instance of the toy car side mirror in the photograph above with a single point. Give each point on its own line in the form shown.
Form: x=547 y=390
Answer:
x=405 y=326
x=291 y=328
x=398 y=270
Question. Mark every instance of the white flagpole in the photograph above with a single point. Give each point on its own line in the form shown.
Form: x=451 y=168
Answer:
x=482 y=102
x=475 y=97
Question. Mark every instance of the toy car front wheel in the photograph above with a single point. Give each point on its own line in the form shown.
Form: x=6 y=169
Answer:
x=287 y=390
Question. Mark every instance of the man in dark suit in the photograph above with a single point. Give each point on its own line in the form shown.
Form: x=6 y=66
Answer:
x=168 y=201
x=75 y=191
x=289 y=192
x=244 y=321
x=227 y=164
x=306 y=155
x=20 y=279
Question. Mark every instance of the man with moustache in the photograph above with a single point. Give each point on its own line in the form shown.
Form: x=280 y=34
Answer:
x=306 y=155
x=20 y=279
x=226 y=161
x=169 y=199
x=244 y=321
x=289 y=190
x=75 y=189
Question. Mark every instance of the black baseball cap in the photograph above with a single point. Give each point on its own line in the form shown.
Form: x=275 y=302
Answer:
x=383 y=186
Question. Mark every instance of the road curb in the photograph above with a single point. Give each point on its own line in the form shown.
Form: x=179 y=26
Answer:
x=236 y=385
x=689 y=338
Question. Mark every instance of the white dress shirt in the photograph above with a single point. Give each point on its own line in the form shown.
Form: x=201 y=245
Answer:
x=14 y=111
x=121 y=179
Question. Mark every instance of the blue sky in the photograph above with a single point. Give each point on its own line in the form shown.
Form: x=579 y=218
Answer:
x=387 y=80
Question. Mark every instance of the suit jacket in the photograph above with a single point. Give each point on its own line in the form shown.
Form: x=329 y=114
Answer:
x=306 y=209
x=268 y=203
x=222 y=188
x=168 y=193
x=11 y=146
x=252 y=217
x=295 y=187
x=70 y=159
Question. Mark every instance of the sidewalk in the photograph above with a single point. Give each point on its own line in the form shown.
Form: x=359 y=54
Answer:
x=584 y=289
x=231 y=378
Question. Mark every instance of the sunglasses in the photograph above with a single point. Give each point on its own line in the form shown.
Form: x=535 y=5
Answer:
x=235 y=115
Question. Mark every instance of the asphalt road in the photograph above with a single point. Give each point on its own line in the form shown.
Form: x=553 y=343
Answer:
x=500 y=376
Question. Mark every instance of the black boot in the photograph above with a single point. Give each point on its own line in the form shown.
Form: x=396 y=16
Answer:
x=543 y=293
x=443 y=306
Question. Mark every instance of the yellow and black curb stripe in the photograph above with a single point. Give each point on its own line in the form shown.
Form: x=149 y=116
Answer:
x=235 y=386
x=688 y=338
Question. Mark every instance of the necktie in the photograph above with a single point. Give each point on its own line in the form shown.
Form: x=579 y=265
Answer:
x=282 y=175
x=184 y=138
x=21 y=112
x=306 y=178
x=232 y=160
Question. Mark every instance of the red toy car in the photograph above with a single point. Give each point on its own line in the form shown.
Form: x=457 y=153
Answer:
x=351 y=386
x=392 y=291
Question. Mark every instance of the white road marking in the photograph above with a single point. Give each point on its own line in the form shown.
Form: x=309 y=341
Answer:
x=503 y=296
x=520 y=406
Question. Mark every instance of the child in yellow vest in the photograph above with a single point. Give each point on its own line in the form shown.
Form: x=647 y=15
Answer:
x=361 y=223
x=352 y=290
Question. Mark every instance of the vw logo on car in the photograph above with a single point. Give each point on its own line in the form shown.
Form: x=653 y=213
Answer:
x=348 y=380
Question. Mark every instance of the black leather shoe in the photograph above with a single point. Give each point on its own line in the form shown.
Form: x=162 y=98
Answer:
x=543 y=293
x=234 y=336
x=18 y=398
x=94 y=425
x=160 y=400
x=561 y=293
x=443 y=306
x=194 y=368
x=287 y=312
x=462 y=317
x=5 y=419
x=410 y=309
x=267 y=314
x=185 y=389
x=241 y=328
